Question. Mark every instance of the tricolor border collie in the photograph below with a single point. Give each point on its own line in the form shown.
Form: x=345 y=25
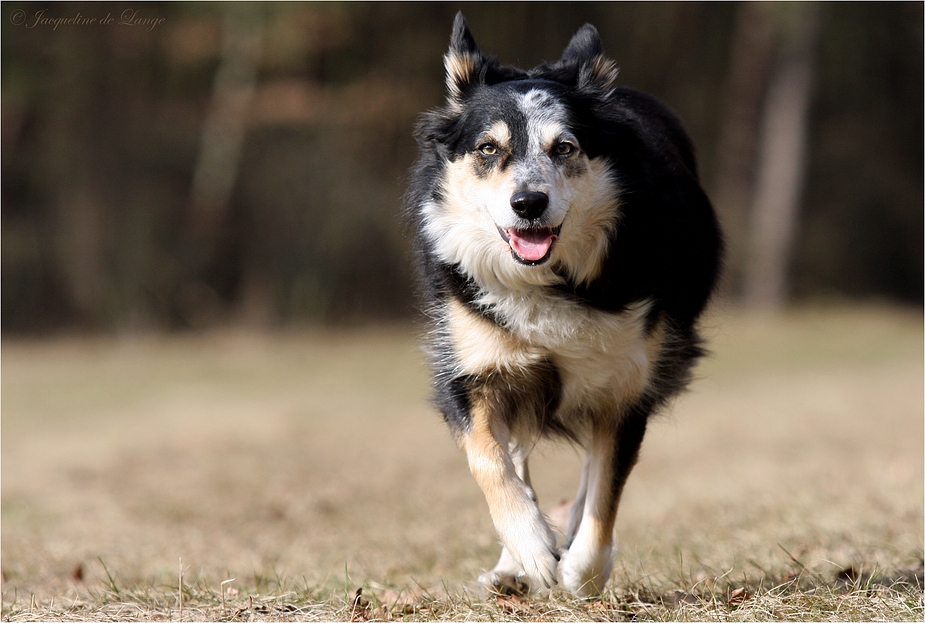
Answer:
x=565 y=251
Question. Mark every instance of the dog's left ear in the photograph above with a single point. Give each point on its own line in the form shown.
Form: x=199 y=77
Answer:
x=585 y=52
x=585 y=45
x=463 y=61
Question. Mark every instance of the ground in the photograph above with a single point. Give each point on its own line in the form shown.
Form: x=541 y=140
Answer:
x=302 y=475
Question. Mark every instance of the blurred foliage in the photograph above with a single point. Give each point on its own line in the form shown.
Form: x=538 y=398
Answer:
x=102 y=131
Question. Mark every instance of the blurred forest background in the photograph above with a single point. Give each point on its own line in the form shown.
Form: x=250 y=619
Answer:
x=187 y=165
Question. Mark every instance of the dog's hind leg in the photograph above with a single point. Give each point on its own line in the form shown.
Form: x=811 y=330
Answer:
x=529 y=554
x=612 y=453
x=578 y=506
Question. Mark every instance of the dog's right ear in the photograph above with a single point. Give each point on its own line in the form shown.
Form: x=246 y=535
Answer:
x=463 y=61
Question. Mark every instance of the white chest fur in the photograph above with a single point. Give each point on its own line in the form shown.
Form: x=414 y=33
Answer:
x=603 y=359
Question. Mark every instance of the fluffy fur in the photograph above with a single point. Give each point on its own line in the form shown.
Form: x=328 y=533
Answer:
x=565 y=251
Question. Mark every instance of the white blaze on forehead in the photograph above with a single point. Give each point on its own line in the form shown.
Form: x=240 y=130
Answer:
x=546 y=119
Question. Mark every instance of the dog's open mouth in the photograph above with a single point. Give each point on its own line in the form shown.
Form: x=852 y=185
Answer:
x=531 y=246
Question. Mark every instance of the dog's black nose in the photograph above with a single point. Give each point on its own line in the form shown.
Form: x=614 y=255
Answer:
x=529 y=205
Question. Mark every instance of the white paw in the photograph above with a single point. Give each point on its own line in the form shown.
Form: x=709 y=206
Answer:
x=532 y=545
x=540 y=569
x=507 y=578
x=504 y=583
x=585 y=571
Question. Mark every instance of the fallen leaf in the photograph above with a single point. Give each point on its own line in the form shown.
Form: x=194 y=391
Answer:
x=513 y=604
x=738 y=595
x=361 y=607
x=381 y=613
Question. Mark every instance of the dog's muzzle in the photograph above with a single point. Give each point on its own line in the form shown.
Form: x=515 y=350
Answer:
x=530 y=245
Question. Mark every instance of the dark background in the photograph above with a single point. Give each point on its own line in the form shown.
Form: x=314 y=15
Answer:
x=244 y=163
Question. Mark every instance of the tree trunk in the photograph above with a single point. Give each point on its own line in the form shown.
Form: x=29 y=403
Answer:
x=783 y=140
x=223 y=129
x=750 y=62
x=217 y=165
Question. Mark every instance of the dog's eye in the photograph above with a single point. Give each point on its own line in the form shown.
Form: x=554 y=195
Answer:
x=488 y=149
x=564 y=149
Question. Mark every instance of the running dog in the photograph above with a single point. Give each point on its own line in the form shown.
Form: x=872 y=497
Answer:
x=565 y=251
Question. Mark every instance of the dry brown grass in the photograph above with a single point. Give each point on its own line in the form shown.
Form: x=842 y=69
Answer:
x=788 y=484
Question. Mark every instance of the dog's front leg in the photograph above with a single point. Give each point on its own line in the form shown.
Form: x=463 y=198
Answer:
x=529 y=544
x=612 y=453
x=508 y=574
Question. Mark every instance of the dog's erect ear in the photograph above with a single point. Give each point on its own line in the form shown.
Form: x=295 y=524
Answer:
x=585 y=51
x=462 y=41
x=463 y=61
x=585 y=45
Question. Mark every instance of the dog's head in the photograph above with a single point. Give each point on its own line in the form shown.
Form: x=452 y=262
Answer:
x=520 y=196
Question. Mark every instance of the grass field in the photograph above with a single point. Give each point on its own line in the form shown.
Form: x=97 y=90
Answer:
x=246 y=476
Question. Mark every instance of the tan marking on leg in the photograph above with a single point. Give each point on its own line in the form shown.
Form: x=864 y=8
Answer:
x=601 y=505
x=489 y=462
x=517 y=519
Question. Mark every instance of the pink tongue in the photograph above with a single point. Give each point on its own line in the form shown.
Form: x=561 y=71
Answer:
x=531 y=244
